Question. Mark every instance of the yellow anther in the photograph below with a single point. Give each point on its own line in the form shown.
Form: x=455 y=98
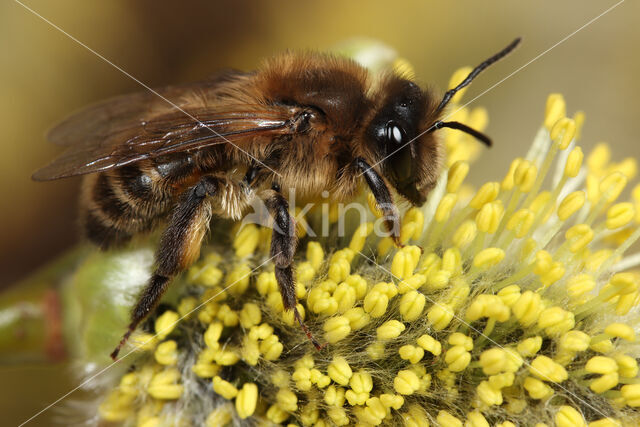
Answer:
x=495 y=361
x=224 y=388
x=445 y=419
x=440 y=316
x=574 y=163
x=563 y=132
x=612 y=185
x=579 y=236
x=209 y=276
x=601 y=365
x=337 y=415
x=390 y=329
x=620 y=215
x=520 y=222
x=375 y=303
x=336 y=329
x=411 y=353
x=605 y=422
x=527 y=308
x=571 y=204
x=246 y=400
x=376 y=351
x=246 y=241
x=228 y=316
x=315 y=254
x=555 y=110
x=525 y=176
x=339 y=270
x=452 y=261
x=266 y=282
x=164 y=385
x=509 y=294
x=604 y=383
x=456 y=78
x=143 y=341
x=412 y=283
x=487 y=258
x=345 y=295
x=457 y=173
x=569 y=417
x=361 y=382
x=489 y=216
x=304 y=273
x=624 y=283
x=166 y=323
x=604 y=346
x=250 y=315
x=487 y=193
x=620 y=330
x=373 y=205
x=541 y=202
x=446 y=205
x=457 y=358
x=411 y=305
x=276 y=414
x=430 y=344
x=226 y=357
x=339 y=370
x=237 y=280
x=509 y=180
x=548 y=370
x=488 y=306
x=221 y=416
x=271 y=347
x=406 y=382
x=250 y=352
x=476 y=419
x=415 y=216
x=627 y=366
x=357 y=317
x=489 y=395
x=556 y=321
x=187 y=306
x=438 y=279
x=537 y=389
x=392 y=401
x=462 y=340
x=287 y=400
x=631 y=394
x=580 y=284
x=579 y=118
x=501 y=381
x=465 y=234
x=334 y=396
x=360 y=236
x=599 y=158
x=261 y=331
x=574 y=341
x=167 y=353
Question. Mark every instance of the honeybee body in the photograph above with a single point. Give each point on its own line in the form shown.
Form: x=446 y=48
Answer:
x=312 y=124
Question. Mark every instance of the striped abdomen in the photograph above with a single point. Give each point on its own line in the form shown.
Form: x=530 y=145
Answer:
x=119 y=203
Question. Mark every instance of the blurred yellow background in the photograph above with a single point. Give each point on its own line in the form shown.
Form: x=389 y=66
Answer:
x=45 y=75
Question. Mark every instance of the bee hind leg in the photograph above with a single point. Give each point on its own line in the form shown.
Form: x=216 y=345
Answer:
x=283 y=248
x=179 y=248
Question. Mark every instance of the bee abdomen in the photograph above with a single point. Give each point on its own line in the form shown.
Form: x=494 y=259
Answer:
x=121 y=203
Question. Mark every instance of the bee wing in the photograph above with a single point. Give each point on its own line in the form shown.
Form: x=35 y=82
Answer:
x=117 y=132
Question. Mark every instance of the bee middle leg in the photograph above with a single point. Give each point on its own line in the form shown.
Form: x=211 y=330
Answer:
x=283 y=247
x=179 y=247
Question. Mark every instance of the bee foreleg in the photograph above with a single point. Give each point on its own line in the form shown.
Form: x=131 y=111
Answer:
x=283 y=247
x=179 y=247
x=383 y=199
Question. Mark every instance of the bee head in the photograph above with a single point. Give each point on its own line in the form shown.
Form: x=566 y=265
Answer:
x=398 y=135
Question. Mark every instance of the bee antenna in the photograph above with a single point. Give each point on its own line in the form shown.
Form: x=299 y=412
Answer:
x=474 y=73
x=464 y=128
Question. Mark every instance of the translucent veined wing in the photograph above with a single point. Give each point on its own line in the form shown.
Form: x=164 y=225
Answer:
x=141 y=126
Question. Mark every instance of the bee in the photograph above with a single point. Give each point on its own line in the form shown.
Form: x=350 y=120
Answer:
x=307 y=122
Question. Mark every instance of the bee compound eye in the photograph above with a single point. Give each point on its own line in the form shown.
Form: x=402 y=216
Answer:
x=394 y=133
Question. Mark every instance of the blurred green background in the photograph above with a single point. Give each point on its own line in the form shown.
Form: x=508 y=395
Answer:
x=44 y=75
